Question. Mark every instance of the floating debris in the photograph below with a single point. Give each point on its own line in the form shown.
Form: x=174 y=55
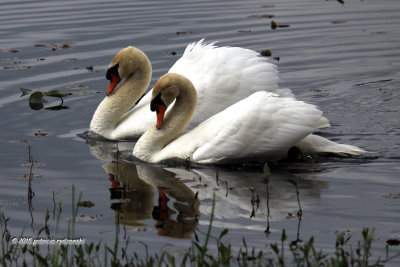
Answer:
x=274 y=25
x=78 y=87
x=9 y=50
x=266 y=53
x=14 y=59
x=378 y=33
x=241 y=31
x=184 y=33
x=92 y=69
x=339 y=21
x=268 y=6
x=34 y=164
x=66 y=46
x=392 y=195
x=28 y=176
x=17 y=67
x=173 y=53
x=39 y=133
x=393 y=242
x=84 y=218
x=264 y=16
x=276 y=58
x=86 y=204
x=55 y=46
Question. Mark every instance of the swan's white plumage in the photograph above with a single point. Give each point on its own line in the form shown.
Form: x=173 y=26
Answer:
x=221 y=75
x=314 y=144
x=261 y=126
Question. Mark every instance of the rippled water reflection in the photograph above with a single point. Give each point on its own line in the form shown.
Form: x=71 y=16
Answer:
x=343 y=58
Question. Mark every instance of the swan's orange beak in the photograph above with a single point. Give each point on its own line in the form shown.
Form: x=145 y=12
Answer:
x=158 y=105
x=160 y=110
x=113 y=83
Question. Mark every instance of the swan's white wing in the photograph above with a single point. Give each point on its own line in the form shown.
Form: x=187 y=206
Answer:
x=314 y=144
x=221 y=75
x=260 y=126
x=224 y=75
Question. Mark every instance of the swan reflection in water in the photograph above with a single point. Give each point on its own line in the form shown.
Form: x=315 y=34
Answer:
x=133 y=190
x=244 y=199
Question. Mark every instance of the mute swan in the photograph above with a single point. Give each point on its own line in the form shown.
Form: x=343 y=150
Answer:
x=221 y=75
x=259 y=127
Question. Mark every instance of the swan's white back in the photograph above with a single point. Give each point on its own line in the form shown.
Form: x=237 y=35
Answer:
x=260 y=127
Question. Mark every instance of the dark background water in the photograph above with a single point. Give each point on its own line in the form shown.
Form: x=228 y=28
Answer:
x=343 y=58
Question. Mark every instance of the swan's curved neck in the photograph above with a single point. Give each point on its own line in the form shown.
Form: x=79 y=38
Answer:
x=112 y=108
x=150 y=146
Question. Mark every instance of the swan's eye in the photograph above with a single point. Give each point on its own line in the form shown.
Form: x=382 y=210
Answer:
x=113 y=71
x=156 y=102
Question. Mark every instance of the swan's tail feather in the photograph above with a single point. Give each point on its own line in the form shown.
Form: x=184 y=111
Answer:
x=317 y=145
x=323 y=123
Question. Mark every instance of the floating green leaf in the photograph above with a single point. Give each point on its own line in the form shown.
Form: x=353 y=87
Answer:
x=25 y=91
x=36 y=100
x=56 y=93
x=36 y=97
x=267 y=171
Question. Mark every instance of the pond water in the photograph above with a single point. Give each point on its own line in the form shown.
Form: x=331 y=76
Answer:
x=344 y=58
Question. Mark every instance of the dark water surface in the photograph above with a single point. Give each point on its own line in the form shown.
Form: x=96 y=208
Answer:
x=343 y=58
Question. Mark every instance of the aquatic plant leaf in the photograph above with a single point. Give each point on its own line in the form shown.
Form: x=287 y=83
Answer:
x=223 y=233
x=293 y=182
x=267 y=171
x=36 y=100
x=56 y=93
x=25 y=91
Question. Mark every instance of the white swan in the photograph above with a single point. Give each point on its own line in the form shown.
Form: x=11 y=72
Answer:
x=262 y=126
x=221 y=75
